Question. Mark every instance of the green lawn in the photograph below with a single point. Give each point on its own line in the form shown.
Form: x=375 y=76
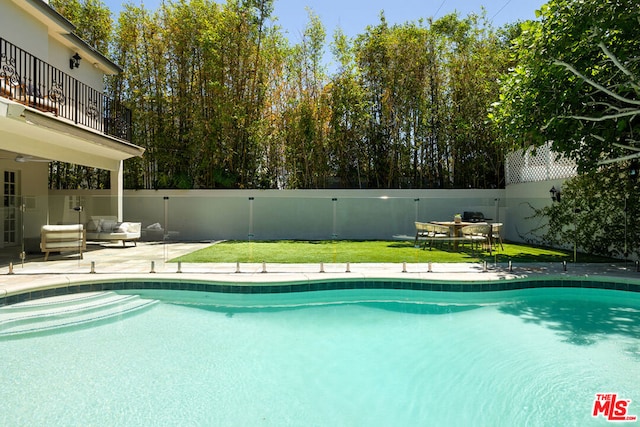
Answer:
x=342 y=251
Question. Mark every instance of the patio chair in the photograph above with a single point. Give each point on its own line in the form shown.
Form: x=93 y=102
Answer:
x=421 y=232
x=438 y=233
x=430 y=233
x=477 y=235
x=496 y=233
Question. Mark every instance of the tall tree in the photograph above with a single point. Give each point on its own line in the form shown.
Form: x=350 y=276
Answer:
x=140 y=48
x=198 y=80
x=428 y=90
x=476 y=158
x=306 y=115
x=92 y=19
x=221 y=100
x=348 y=117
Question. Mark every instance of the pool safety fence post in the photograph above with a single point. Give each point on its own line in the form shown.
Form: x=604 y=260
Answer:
x=165 y=201
x=348 y=270
x=576 y=211
x=237 y=266
x=322 y=267
x=250 y=234
x=264 y=267
x=484 y=266
x=510 y=267
x=179 y=267
x=93 y=267
x=334 y=230
x=165 y=250
x=416 y=202
x=10 y=268
x=23 y=211
x=637 y=266
x=430 y=268
x=626 y=251
x=404 y=266
x=564 y=265
x=79 y=210
x=153 y=267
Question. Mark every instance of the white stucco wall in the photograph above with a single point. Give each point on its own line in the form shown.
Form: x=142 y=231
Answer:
x=295 y=214
x=521 y=200
x=33 y=36
x=59 y=56
x=17 y=27
x=196 y=215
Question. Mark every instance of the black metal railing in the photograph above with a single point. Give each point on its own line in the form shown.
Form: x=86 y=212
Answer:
x=33 y=82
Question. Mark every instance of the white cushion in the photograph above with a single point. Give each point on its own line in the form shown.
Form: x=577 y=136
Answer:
x=123 y=231
x=93 y=225
x=65 y=244
x=107 y=226
x=134 y=227
x=70 y=227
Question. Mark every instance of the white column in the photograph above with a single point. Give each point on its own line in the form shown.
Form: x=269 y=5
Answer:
x=117 y=189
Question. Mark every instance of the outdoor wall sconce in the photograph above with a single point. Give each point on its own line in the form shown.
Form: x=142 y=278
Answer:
x=74 y=62
x=555 y=194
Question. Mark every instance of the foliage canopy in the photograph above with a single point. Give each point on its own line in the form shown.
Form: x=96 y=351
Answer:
x=222 y=99
x=576 y=81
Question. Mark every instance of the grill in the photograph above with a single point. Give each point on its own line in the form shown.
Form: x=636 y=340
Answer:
x=474 y=217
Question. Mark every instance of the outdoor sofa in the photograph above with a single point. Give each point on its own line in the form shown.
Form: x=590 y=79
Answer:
x=108 y=229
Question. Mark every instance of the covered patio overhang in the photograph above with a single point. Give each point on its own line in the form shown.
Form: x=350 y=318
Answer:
x=29 y=132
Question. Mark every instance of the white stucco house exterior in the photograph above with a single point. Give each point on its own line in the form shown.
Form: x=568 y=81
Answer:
x=52 y=107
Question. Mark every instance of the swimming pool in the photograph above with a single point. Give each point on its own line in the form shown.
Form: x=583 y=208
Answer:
x=336 y=358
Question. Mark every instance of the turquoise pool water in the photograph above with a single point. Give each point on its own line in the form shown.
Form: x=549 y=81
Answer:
x=334 y=358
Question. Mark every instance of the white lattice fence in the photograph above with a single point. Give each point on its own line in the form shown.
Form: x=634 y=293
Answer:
x=539 y=164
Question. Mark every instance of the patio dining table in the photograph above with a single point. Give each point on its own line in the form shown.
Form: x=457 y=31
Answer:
x=455 y=227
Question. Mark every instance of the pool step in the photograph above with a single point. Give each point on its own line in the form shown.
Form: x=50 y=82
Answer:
x=67 y=311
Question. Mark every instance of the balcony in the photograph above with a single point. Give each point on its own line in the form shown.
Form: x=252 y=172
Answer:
x=30 y=81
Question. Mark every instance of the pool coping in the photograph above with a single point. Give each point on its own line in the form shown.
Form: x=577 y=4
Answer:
x=277 y=284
